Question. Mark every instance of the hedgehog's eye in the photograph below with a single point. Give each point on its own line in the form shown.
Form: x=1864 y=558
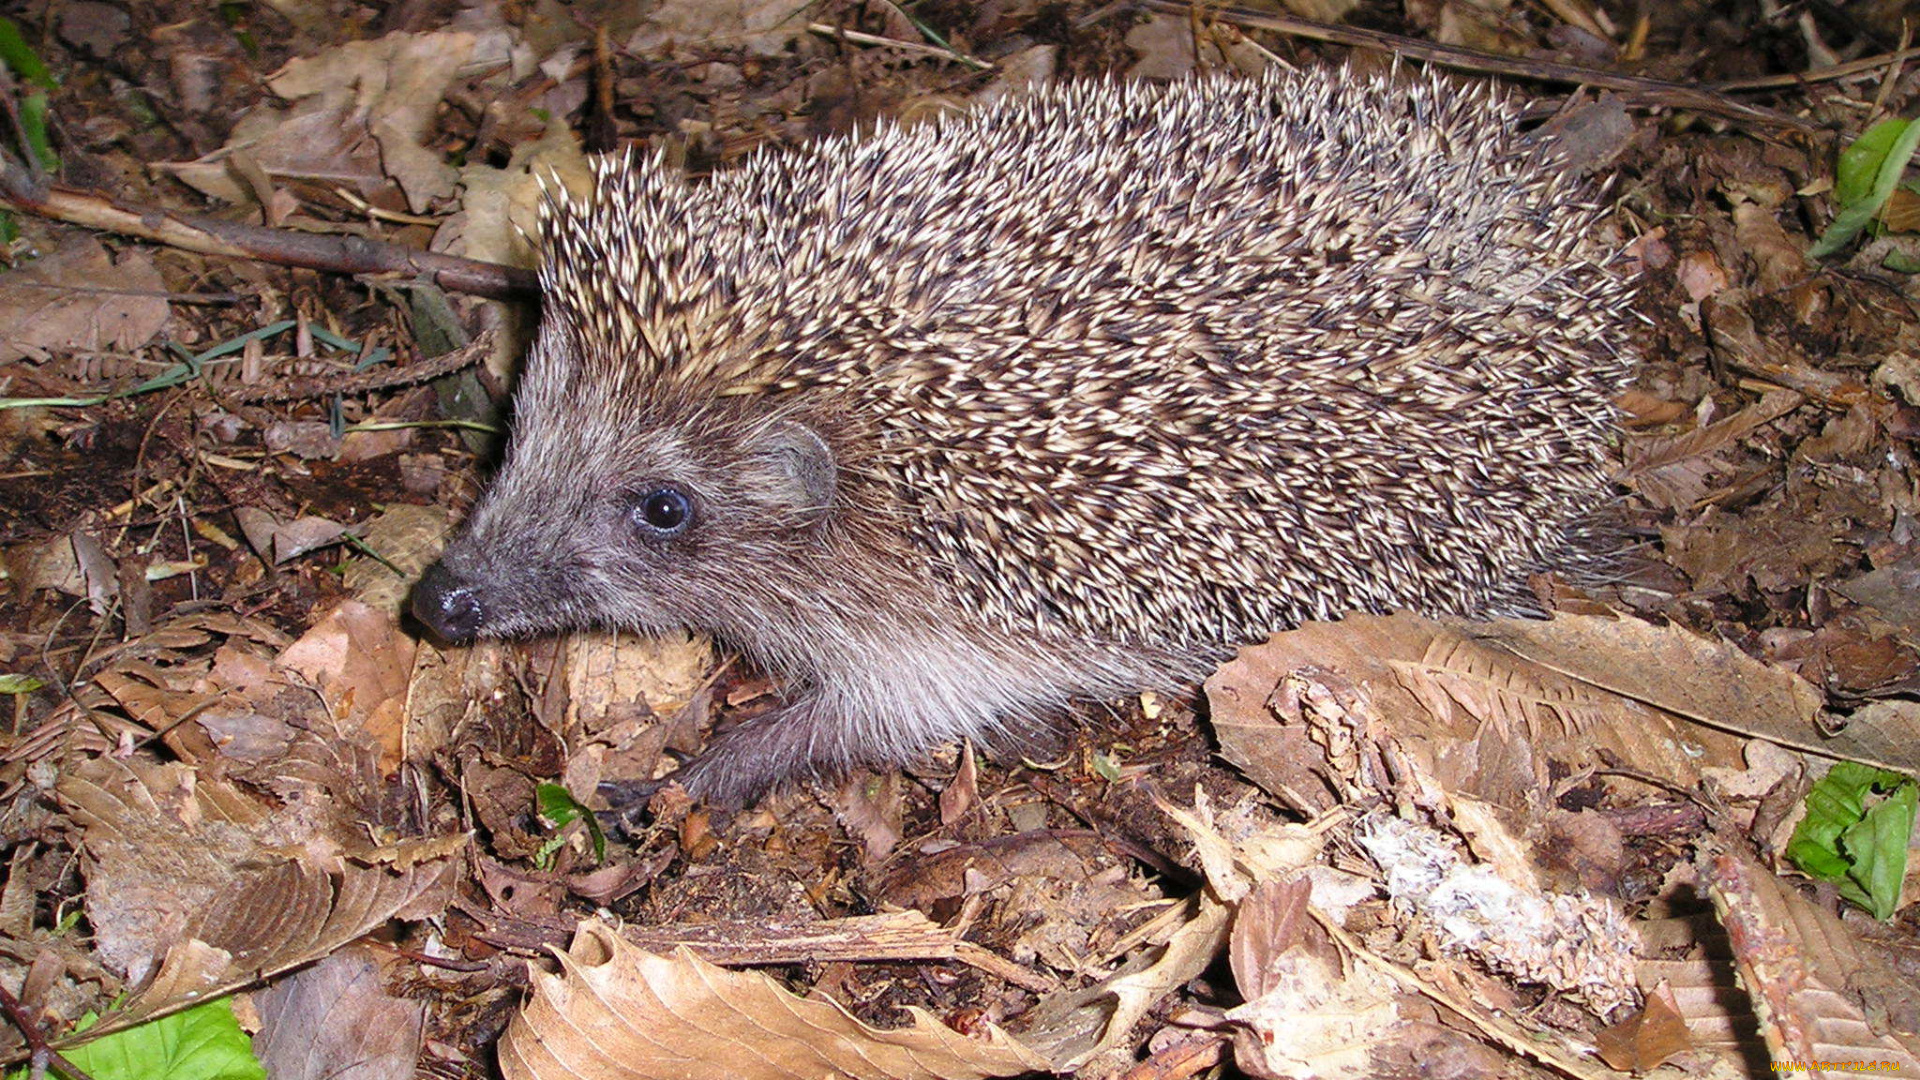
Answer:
x=664 y=511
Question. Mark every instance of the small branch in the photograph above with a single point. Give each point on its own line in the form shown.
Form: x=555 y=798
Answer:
x=857 y=37
x=365 y=382
x=42 y=1054
x=1642 y=90
x=1818 y=75
x=211 y=236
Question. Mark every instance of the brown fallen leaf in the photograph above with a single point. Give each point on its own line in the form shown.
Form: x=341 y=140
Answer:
x=1647 y=1039
x=1495 y=711
x=76 y=298
x=1704 y=680
x=336 y=1021
x=614 y=1010
x=360 y=113
x=277 y=541
x=1782 y=259
x=1309 y=1010
x=196 y=887
x=406 y=538
x=361 y=662
x=1804 y=968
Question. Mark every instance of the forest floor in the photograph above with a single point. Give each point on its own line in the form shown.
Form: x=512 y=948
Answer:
x=1650 y=835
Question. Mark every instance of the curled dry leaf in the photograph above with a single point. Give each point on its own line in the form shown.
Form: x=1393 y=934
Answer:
x=615 y=1010
x=1071 y=1029
x=1309 y=1011
x=196 y=878
x=1239 y=856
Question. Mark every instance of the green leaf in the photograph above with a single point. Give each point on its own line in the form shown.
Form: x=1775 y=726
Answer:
x=1856 y=840
x=1879 y=846
x=19 y=684
x=33 y=123
x=20 y=57
x=558 y=807
x=203 y=1043
x=1859 y=165
x=1865 y=178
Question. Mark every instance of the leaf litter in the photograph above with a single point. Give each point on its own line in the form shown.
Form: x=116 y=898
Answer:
x=1374 y=846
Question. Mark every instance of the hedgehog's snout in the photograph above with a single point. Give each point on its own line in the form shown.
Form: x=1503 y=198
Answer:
x=450 y=607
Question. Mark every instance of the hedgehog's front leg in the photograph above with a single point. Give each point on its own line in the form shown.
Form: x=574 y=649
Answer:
x=806 y=737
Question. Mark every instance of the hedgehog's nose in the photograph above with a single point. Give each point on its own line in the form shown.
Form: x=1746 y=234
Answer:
x=447 y=605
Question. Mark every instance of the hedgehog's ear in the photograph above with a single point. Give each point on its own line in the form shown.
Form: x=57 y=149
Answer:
x=801 y=467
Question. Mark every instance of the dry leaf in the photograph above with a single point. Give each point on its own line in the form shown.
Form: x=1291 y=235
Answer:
x=200 y=880
x=1781 y=259
x=1071 y=1029
x=78 y=299
x=1701 y=275
x=1647 y=1039
x=406 y=538
x=1804 y=969
x=336 y=1021
x=358 y=658
x=277 y=541
x=1309 y=1012
x=617 y=1011
x=1881 y=733
x=1309 y=713
x=1166 y=47
x=362 y=113
x=762 y=27
x=608 y=674
x=1708 y=682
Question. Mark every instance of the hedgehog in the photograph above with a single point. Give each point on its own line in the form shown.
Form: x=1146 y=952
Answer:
x=947 y=426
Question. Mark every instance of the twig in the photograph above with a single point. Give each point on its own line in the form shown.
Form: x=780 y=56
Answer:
x=168 y=295
x=43 y=1055
x=212 y=236
x=365 y=382
x=859 y=38
x=1181 y=1060
x=1828 y=74
x=1643 y=90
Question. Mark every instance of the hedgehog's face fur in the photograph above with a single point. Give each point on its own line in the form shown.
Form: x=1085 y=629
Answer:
x=646 y=512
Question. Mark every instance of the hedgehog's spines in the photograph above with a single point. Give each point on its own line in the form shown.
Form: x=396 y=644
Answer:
x=1163 y=364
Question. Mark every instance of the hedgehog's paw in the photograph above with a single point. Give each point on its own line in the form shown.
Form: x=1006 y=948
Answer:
x=803 y=739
